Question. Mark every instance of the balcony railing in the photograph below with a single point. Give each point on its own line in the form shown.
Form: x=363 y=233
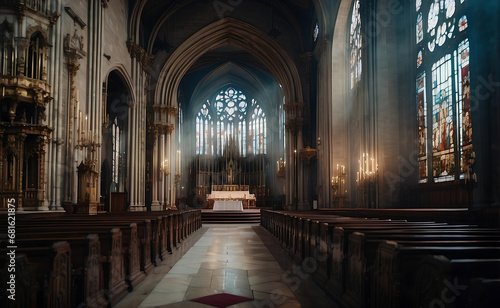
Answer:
x=41 y=6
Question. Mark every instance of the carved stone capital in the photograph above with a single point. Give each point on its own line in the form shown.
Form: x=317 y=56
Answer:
x=172 y=110
x=53 y=19
x=137 y=52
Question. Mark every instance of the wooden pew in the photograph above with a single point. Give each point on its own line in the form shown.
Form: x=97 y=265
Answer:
x=144 y=235
x=358 y=261
x=394 y=263
x=113 y=269
x=86 y=270
x=483 y=293
x=310 y=229
x=42 y=280
x=442 y=281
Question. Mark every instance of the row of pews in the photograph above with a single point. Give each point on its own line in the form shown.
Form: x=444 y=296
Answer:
x=391 y=262
x=89 y=261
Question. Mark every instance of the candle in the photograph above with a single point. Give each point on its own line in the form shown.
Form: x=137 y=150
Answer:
x=77 y=108
x=79 y=124
x=366 y=163
x=337 y=167
x=373 y=165
x=357 y=176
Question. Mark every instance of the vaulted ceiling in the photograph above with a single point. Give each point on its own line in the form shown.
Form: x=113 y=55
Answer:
x=166 y=24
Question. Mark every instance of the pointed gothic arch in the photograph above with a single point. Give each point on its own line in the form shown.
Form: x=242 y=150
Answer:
x=228 y=31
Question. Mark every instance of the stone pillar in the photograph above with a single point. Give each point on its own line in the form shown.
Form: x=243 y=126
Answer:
x=293 y=125
x=17 y=142
x=42 y=150
x=155 y=204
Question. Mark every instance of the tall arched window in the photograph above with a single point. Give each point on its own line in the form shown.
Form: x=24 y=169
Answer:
x=203 y=126
x=7 y=63
x=443 y=89
x=355 y=44
x=35 y=61
x=258 y=128
x=225 y=119
x=231 y=108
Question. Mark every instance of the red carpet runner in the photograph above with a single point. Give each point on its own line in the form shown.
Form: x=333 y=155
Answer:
x=221 y=300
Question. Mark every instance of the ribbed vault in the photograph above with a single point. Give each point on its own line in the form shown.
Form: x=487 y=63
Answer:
x=228 y=31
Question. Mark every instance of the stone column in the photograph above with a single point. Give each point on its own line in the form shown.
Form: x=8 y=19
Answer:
x=42 y=150
x=293 y=125
x=18 y=168
x=155 y=204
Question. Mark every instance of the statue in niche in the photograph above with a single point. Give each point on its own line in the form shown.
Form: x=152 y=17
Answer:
x=73 y=43
x=230 y=173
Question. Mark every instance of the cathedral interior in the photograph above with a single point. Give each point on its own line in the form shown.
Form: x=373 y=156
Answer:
x=299 y=110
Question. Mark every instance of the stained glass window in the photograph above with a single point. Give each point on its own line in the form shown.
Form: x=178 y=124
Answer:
x=203 y=121
x=463 y=97
x=258 y=131
x=443 y=164
x=422 y=128
x=443 y=68
x=420 y=28
x=355 y=42
x=226 y=118
x=462 y=23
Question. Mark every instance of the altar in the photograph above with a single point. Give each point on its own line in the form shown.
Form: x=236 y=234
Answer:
x=228 y=206
x=237 y=193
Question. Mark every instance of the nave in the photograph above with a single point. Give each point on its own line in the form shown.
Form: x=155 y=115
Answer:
x=237 y=259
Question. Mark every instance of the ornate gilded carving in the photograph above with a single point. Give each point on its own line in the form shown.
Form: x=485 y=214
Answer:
x=53 y=19
x=172 y=110
x=34 y=28
x=11 y=144
x=25 y=89
x=163 y=128
x=140 y=54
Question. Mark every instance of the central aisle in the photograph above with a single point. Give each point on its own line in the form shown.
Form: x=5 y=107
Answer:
x=228 y=259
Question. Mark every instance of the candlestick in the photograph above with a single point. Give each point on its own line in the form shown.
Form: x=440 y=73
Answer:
x=367 y=165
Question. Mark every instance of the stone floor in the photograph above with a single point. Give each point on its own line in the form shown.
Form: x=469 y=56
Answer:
x=225 y=259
